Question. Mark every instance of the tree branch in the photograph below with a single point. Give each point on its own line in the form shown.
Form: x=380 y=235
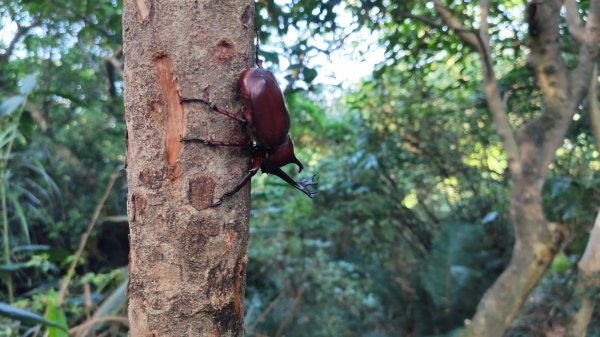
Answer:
x=114 y=60
x=21 y=31
x=593 y=110
x=589 y=266
x=479 y=41
x=574 y=20
x=496 y=103
x=71 y=271
x=592 y=29
x=465 y=34
x=588 y=50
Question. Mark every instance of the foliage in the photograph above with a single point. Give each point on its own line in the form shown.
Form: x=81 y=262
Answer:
x=419 y=154
x=410 y=225
x=52 y=167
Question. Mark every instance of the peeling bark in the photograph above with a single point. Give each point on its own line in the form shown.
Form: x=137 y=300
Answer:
x=187 y=261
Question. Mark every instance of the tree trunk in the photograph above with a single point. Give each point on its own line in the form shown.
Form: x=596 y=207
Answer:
x=532 y=253
x=530 y=150
x=587 y=285
x=187 y=261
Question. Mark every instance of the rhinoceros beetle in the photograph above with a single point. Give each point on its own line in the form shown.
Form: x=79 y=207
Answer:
x=267 y=122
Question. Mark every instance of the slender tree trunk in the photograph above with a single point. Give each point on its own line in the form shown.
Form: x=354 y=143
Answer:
x=588 y=284
x=532 y=253
x=530 y=150
x=187 y=261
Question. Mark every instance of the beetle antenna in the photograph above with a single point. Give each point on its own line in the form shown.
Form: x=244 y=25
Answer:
x=256 y=59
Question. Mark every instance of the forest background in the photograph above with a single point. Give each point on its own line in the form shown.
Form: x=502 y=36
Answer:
x=413 y=220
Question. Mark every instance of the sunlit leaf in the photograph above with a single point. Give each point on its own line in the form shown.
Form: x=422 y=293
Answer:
x=560 y=263
x=491 y=216
x=11 y=104
x=55 y=314
x=28 y=84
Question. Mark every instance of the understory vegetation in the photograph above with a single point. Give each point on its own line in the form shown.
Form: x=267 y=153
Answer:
x=411 y=224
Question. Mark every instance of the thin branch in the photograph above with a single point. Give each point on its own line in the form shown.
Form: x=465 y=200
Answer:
x=338 y=43
x=111 y=36
x=588 y=50
x=90 y=323
x=484 y=9
x=114 y=59
x=452 y=22
x=71 y=271
x=424 y=20
x=291 y=312
x=574 y=20
x=480 y=42
x=21 y=31
x=592 y=26
x=484 y=40
x=496 y=103
x=263 y=315
x=593 y=110
x=118 y=66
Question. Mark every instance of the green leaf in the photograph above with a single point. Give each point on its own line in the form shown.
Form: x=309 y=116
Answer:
x=30 y=248
x=12 y=267
x=11 y=104
x=309 y=74
x=560 y=263
x=57 y=315
x=20 y=215
x=26 y=125
x=7 y=135
x=27 y=317
x=28 y=84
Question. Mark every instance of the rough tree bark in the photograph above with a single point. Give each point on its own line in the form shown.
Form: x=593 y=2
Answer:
x=530 y=149
x=187 y=262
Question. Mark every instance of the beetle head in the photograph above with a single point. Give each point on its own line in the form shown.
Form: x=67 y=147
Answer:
x=282 y=156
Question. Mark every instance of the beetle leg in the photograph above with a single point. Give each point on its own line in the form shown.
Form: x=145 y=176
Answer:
x=256 y=161
x=301 y=185
x=244 y=142
x=213 y=107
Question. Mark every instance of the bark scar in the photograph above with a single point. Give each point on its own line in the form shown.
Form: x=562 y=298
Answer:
x=238 y=299
x=201 y=192
x=143 y=10
x=223 y=51
x=246 y=16
x=175 y=126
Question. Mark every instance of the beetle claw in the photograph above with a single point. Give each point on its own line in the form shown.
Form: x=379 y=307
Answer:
x=306 y=183
x=220 y=201
x=217 y=203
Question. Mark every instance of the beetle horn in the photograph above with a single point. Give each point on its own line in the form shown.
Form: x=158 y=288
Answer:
x=297 y=162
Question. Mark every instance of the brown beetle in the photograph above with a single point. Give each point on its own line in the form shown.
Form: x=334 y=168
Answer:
x=267 y=122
